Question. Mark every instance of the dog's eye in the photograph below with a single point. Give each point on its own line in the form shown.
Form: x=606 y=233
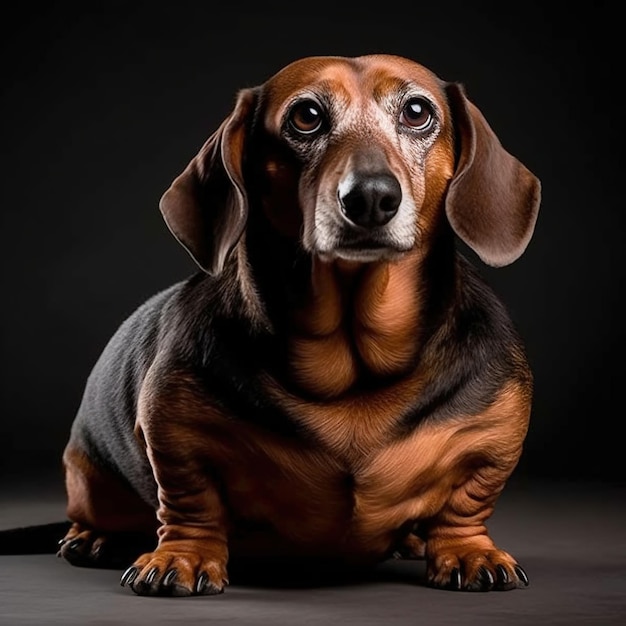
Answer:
x=417 y=114
x=306 y=117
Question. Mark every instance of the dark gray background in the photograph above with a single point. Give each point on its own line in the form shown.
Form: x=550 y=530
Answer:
x=102 y=107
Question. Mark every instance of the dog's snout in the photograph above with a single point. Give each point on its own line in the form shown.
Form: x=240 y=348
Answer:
x=372 y=200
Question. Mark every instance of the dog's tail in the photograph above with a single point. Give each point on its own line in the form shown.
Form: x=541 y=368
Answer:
x=37 y=539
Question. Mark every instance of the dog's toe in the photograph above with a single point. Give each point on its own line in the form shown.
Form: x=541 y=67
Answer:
x=129 y=576
x=521 y=575
x=76 y=549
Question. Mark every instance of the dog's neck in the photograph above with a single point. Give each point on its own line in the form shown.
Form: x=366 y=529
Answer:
x=349 y=325
x=357 y=322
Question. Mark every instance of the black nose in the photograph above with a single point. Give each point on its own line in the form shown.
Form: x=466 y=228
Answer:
x=372 y=200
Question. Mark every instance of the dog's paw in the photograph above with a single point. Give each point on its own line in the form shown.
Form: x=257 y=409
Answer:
x=484 y=570
x=412 y=547
x=90 y=548
x=167 y=571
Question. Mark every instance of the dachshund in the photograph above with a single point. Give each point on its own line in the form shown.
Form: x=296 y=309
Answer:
x=335 y=381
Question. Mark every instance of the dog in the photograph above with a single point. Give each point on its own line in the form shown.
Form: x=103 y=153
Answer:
x=336 y=381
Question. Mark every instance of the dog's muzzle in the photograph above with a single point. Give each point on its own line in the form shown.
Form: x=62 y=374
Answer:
x=372 y=200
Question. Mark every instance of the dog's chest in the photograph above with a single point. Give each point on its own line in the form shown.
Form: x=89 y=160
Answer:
x=304 y=495
x=314 y=498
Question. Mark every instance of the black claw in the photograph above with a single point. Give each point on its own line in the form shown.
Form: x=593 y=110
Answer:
x=201 y=583
x=169 y=577
x=502 y=574
x=75 y=543
x=455 y=578
x=487 y=578
x=129 y=576
x=152 y=575
x=521 y=574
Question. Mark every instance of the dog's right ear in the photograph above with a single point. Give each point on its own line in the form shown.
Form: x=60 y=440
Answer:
x=206 y=207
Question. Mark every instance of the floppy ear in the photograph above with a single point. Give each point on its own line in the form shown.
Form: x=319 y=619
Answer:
x=206 y=207
x=493 y=199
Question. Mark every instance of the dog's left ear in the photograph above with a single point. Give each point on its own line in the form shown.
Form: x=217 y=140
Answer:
x=493 y=199
x=206 y=207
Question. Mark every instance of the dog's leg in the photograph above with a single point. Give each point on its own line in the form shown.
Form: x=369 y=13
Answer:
x=459 y=552
x=192 y=552
x=111 y=524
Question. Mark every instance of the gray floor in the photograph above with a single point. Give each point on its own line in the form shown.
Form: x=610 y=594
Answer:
x=570 y=538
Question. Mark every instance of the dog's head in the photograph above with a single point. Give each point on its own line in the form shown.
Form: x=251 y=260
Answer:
x=358 y=158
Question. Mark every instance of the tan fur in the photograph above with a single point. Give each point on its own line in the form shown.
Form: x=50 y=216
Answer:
x=97 y=499
x=440 y=462
x=356 y=321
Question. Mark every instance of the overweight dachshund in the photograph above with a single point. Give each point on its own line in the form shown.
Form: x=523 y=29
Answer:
x=337 y=382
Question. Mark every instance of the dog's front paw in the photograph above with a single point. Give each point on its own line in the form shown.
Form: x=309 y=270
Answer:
x=192 y=568
x=474 y=570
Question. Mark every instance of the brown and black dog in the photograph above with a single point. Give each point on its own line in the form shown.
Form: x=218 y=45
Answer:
x=337 y=382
